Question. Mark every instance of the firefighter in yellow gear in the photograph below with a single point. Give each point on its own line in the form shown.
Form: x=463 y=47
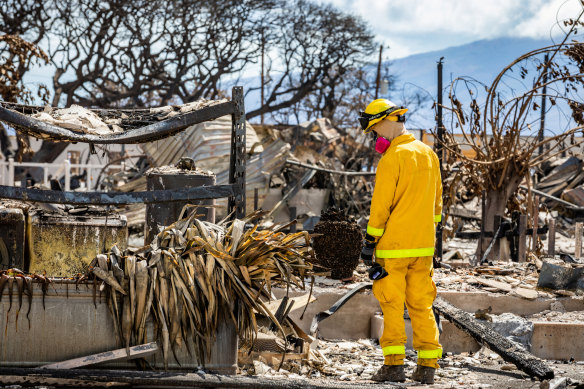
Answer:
x=400 y=239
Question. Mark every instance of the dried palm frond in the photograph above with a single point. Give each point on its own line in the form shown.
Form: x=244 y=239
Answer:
x=196 y=274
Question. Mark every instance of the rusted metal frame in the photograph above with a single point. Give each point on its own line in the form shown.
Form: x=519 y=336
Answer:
x=117 y=198
x=148 y=133
x=237 y=155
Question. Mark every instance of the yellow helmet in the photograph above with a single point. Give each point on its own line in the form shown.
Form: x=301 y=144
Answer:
x=378 y=110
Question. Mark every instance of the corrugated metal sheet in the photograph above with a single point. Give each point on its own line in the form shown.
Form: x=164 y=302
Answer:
x=258 y=170
x=207 y=143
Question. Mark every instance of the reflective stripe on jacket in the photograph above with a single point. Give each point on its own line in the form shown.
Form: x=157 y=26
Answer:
x=407 y=200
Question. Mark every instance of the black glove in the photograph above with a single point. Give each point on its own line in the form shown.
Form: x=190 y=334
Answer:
x=376 y=272
x=368 y=250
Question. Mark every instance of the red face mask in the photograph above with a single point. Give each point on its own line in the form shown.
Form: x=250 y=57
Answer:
x=382 y=144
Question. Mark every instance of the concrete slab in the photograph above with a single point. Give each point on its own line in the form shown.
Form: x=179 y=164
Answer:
x=471 y=301
x=560 y=341
x=353 y=320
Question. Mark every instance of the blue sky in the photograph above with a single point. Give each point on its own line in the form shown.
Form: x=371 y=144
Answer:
x=411 y=27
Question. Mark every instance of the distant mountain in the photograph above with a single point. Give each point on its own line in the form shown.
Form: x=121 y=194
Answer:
x=481 y=60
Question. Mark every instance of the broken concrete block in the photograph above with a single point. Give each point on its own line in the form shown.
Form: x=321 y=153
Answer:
x=525 y=293
x=505 y=287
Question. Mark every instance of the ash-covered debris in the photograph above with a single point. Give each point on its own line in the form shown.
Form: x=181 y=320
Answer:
x=356 y=361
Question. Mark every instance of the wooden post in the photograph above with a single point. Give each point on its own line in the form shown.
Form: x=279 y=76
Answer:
x=552 y=237
x=578 y=240
x=535 y=224
x=522 y=246
x=482 y=236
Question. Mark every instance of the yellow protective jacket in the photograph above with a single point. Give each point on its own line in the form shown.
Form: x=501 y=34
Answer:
x=407 y=200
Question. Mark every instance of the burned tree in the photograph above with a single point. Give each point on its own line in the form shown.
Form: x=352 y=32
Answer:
x=497 y=144
x=316 y=47
x=16 y=58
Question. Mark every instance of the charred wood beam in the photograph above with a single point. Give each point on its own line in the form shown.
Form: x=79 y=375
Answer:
x=147 y=133
x=29 y=377
x=489 y=234
x=117 y=198
x=510 y=351
x=464 y=213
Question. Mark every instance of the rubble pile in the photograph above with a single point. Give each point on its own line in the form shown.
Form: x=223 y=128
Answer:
x=563 y=178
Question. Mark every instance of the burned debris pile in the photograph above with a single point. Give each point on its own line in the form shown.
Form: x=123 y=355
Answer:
x=337 y=244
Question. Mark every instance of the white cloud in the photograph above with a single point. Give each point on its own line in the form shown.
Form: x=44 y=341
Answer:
x=424 y=25
x=543 y=23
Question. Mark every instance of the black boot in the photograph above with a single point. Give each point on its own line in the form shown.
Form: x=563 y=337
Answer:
x=393 y=373
x=424 y=374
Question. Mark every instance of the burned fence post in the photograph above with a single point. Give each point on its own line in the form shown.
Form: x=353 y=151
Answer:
x=578 y=240
x=292 y=211
x=237 y=157
x=535 y=224
x=522 y=243
x=552 y=237
x=482 y=235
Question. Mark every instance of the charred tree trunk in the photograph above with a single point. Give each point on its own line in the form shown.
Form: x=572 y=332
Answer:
x=496 y=204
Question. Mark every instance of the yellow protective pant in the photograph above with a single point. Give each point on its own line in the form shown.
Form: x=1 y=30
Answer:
x=409 y=281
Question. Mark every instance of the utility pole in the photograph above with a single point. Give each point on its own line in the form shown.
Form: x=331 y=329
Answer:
x=439 y=151
x=262 y=81
x=543 y=99
x=378 y=72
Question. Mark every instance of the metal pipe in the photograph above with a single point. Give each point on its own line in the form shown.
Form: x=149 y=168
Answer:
x=543 y=98
x=116 y=198
x=321 y=169
x=543 y=194
x=378 y=72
